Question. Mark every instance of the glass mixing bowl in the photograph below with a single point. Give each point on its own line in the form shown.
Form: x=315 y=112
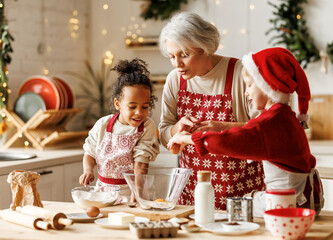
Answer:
x=90 y=196
x=159 y=188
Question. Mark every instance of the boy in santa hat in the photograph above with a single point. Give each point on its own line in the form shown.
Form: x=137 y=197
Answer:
x=276 y=136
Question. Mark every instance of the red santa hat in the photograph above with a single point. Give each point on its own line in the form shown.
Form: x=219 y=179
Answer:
x=278 y=74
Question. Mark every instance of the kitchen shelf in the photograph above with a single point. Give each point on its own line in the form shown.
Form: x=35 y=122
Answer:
x=44 y=128
x=144 y=43
x=158 y=79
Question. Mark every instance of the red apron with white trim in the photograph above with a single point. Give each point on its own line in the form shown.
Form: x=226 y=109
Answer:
x=230 y=177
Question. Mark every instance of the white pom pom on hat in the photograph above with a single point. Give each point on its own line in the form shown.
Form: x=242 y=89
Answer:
x=278 y=74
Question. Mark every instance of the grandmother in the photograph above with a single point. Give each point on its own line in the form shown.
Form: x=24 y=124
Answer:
x=205 y=92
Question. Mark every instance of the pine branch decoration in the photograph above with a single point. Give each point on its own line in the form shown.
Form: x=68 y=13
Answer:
x=6 y=49
x=293 y=32
x=160 y=9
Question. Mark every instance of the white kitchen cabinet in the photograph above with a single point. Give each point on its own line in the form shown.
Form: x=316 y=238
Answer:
x=328 y=194
x=5 y=193
x=50 y=186
x=323 y=151
x=324 y=161
x=72 y=173
x=51 y=183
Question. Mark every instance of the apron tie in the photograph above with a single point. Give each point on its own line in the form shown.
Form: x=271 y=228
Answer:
x=312 y=173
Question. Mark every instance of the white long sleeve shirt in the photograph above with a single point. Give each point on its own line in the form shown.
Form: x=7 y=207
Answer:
x=212 y=83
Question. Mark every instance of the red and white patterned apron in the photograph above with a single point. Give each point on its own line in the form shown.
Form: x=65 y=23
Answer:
x=231 y=177
x=115 y=154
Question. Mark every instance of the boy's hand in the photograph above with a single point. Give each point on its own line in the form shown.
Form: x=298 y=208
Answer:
x=86 y=178
x=177 y=143
x=185 y=124
x=215 y=126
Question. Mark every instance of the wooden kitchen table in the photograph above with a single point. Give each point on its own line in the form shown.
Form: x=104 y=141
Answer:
x=322 y=228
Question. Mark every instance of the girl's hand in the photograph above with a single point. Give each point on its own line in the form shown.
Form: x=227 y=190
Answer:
x=139 y=168
x=86 y=178
x=184 y=124
x=179 y=141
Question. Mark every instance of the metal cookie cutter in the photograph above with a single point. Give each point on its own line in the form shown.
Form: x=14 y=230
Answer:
x=240 y=209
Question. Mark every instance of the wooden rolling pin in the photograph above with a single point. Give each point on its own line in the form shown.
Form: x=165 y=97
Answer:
x=58 y=220
x=24 y=220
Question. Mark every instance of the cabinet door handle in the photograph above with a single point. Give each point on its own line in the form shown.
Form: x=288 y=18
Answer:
x=45 y=172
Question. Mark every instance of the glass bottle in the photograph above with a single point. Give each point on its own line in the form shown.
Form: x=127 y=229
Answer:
x=204 y=205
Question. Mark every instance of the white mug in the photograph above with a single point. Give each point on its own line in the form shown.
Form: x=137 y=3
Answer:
x=280 y=198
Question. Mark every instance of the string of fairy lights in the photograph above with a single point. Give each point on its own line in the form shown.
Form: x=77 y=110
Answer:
x=133 y=32
x=74 y=34
x=225 y=31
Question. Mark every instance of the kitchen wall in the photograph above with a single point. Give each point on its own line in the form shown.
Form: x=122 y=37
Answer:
x=46 y=23
x=242 y=29
x=45 y=41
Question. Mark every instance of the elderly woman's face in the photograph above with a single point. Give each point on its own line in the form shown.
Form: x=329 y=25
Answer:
x=189 y=64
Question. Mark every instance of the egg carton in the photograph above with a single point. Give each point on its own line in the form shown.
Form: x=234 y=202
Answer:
x=154 y=229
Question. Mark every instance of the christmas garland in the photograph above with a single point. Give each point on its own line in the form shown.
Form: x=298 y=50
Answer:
x=5 y=49
x=160 y=9
x=291 y=26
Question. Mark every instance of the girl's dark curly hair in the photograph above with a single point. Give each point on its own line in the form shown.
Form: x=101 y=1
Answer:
x=132 y=73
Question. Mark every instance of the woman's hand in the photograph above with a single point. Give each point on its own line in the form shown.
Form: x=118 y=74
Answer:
x=184 y=124
x=215 y=126
x=86 y=178
x=179 y=141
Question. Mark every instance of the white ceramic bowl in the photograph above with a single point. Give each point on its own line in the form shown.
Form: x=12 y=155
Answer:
x=92 y=196
x=289 y=223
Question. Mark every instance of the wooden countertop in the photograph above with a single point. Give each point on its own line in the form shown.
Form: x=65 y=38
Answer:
x=322 y=228
x=45 y=158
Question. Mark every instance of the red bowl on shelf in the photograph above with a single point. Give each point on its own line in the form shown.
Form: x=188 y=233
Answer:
x=69 y=91
x=62 y=94
x=45 y=88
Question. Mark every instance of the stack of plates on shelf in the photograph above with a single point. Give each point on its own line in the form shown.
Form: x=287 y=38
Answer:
x=54 y=92
x=28 y=104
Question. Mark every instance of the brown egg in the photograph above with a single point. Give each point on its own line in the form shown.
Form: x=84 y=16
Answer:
x=92 y=211
x=175 y=148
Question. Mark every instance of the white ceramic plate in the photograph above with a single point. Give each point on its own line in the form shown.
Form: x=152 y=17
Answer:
x=82 y=217
x=104 y=222
x=217 y=216
x=217 y=228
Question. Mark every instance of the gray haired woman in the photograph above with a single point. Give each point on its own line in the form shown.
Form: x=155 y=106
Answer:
x=205 y=92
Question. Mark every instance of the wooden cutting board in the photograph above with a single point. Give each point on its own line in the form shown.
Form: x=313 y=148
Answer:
x=321 y=116
x=179 y=211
